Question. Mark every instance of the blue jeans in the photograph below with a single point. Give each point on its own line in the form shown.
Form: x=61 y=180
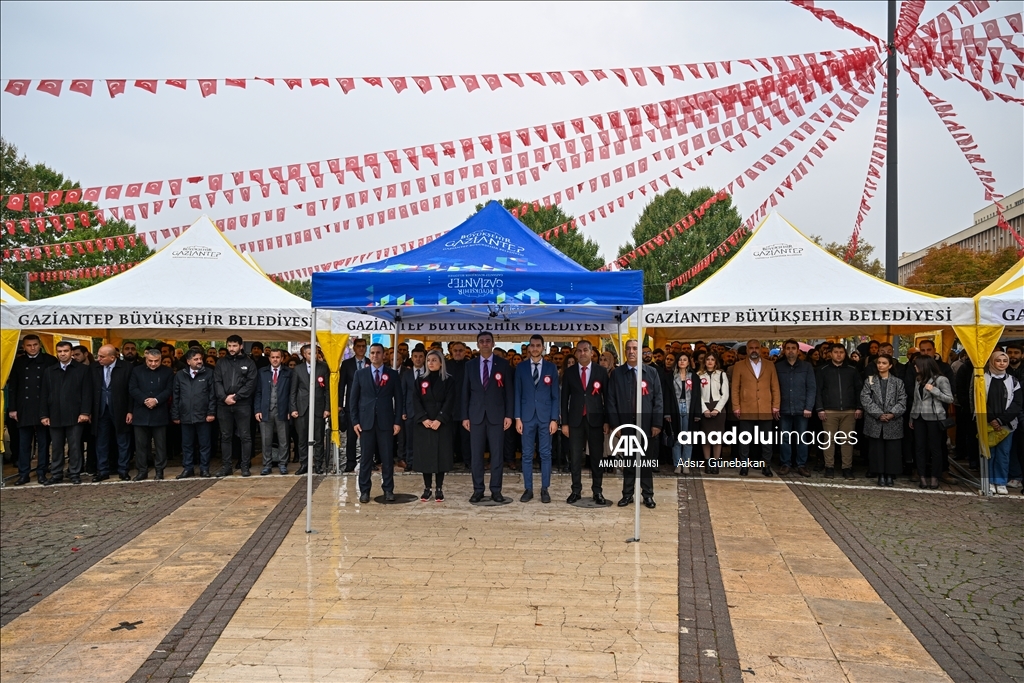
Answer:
x=189 y=434
x=106 y=436
x=681 y=453
x=792 y=423
x=536 y=430
x=1001 y=461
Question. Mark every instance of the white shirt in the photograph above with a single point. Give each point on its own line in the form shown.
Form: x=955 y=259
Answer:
x=586 y=367
x=64 y=366
x=756 y=367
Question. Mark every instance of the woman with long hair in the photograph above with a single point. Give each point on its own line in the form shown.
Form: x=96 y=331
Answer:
x=433 y=416
x=714 y=394
x=685 y=400
x=931 y=396
x=1003 y=409
x=885 y=401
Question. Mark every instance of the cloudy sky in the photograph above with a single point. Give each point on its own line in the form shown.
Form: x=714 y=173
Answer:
x=173 y=134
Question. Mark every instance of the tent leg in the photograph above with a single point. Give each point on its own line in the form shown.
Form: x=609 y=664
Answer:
x=986 y=490
x=312 y=439
x=637 y=492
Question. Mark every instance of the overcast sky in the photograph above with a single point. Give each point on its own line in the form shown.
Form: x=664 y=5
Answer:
x=141 y=137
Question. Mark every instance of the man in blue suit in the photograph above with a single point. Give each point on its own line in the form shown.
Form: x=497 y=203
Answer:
x=375 y=407
x=487 y=398
x=536 y=412
x=273 y=391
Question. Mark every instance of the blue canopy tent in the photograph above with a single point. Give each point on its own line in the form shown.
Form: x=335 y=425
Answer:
x=491 y=270
x=490 y=273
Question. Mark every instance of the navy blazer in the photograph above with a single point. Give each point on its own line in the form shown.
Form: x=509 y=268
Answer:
x=371 y=406
x=493 y=404
x=540 y=402
x=264 y=386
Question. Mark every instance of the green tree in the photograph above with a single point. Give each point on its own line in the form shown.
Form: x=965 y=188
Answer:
x=301 y=288
x=683 y=251
x=950 y=270
x=573 y=244
x=19 y=176
x=861 y=257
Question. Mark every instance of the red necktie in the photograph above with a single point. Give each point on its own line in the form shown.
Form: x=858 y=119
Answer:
x=584 y=378
x=275 y=377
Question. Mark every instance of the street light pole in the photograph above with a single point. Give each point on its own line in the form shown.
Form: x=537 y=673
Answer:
x=892 y=157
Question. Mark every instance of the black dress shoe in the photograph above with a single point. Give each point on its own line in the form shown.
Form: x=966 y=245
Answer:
x=389 y=497
x=52 y=481
x=848 y=474
x=159 y=475
x=246 y=472
x=124 y=476
x=97 y=478
x=830 y=473
x=364 y=497
x=302 y=470
x=185 y=474
x=284 y=469
x=881 y=480
x=224 y=472
x=888 y=480
x=545 y=497
x=624 y=501
x=350 y=469
x=205 y=474
x=599 y=499
x=476 y=497
x=767 y=471
x=649 y=502
x=573 y=497
x=497 y=497
x=22 y=481
x=141 y=476
x=744 y=471
x=265 y=471
x=76 y=479
x=527 y=496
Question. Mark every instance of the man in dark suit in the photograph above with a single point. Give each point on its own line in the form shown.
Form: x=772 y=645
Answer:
x=584 y=420
x=456 y=367
x=621 y=404
x=194 y=407
x=299 y=406
x=25 y=387
x=234 y=381
x=112 y=414
x=536 y=412
x=376 y=413
x=487 y=409
x=349 y=368
x=410 y=376
x=65 y=409
x=272 y=402
x=150 y=391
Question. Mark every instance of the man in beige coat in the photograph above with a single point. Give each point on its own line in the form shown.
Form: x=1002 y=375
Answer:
x=755 y=401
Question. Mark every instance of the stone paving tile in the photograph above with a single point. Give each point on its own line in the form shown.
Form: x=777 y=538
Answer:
x=707 y=651
x=51 y=535
x=188 y=643
x=949 y=566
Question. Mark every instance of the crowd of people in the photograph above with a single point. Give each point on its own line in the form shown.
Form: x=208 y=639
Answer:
x=433 y=409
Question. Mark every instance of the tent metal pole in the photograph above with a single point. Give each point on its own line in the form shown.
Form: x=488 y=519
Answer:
x=637 y=493
x=312 y=421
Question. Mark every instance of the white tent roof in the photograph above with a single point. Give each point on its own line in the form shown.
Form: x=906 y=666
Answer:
x=781 y=284
x=1005 y=306
x=194 y=285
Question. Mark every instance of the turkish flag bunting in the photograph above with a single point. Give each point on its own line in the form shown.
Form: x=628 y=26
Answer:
x=116 y=88
x=50 y=86
x=81 y=86
x=207 y=86
x=148 y=86
x=17 y=87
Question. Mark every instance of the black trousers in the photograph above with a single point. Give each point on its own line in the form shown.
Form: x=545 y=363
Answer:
x=72 y=437
x=350 y=448
x=144 y=436
x=234 y=420
x=379 y=442
x=764 y=427
x=302 y=429
x=646 y=481
x=967 y=438
x=928 y=439
x=885 y=456
x=579 y=438
x=485 y=436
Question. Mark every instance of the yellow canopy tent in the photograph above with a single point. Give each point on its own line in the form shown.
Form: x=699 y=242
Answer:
x=998 y=309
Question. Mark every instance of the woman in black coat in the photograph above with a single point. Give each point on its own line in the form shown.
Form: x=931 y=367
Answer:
x=682 y=408
x=434 y=415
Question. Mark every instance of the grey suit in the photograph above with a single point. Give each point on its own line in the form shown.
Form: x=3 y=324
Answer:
x=299 y=403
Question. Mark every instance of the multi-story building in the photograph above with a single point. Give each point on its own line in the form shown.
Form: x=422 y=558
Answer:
x=984 y=235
